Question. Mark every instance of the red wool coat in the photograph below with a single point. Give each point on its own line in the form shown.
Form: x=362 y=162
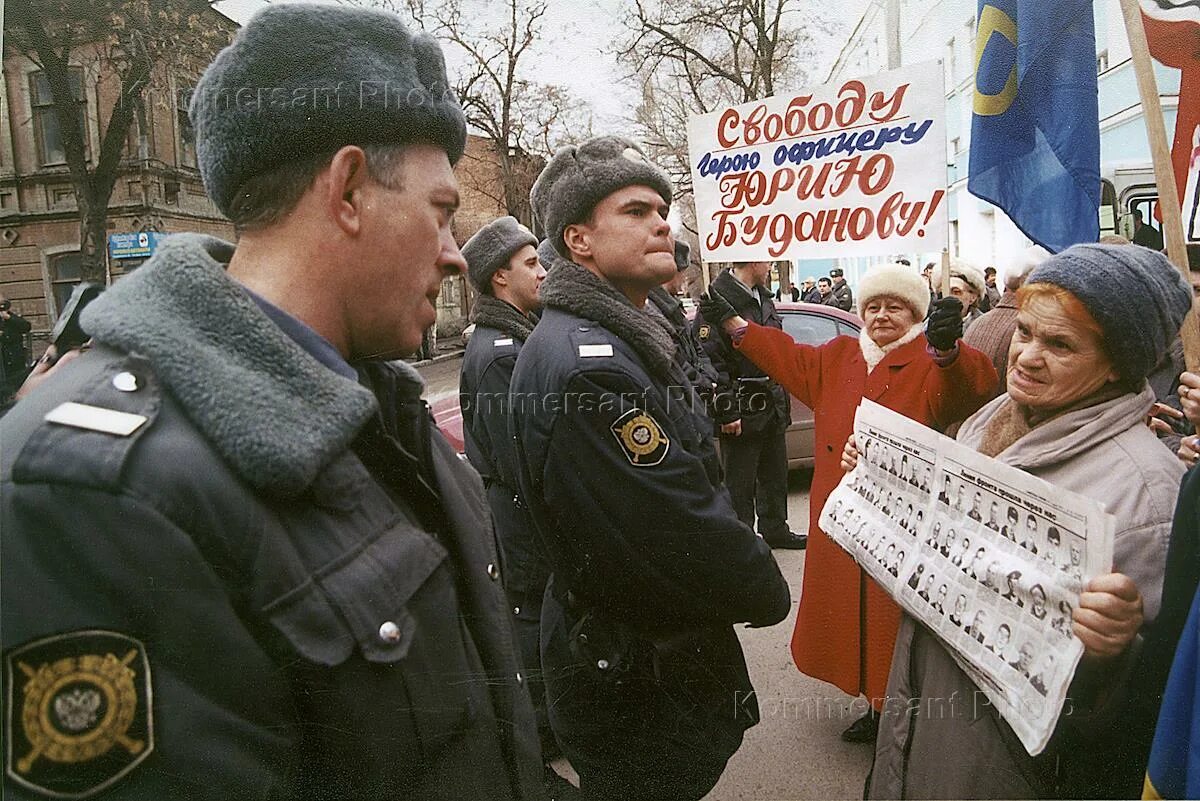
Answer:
x=846 y=627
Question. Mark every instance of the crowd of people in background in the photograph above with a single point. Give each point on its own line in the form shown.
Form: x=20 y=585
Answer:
x=229 y=525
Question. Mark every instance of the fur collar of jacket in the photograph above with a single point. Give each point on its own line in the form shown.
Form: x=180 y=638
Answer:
x=506 y=318
x=276 y=414
x=576 y=290
x=873 y=354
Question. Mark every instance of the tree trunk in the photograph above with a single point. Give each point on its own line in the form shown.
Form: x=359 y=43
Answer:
x=93 y=235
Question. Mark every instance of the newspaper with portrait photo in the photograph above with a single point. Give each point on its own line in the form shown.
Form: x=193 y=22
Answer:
x=990 y=558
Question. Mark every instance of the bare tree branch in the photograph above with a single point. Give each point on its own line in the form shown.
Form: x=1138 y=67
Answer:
x=132 y=42
x=692 y=56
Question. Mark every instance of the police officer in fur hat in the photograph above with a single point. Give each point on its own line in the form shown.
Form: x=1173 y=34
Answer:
x=648 y=688
x=238 y=559
x=503 y=264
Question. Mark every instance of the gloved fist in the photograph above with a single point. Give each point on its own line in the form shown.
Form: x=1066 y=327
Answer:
x=715 y=308
x=945 y=325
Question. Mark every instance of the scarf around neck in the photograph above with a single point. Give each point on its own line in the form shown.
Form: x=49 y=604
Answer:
x=1011 y=421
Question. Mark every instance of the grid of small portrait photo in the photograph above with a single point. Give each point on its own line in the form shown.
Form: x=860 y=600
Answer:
x=1054 y=542
x=898 y=486
x=1001 y=601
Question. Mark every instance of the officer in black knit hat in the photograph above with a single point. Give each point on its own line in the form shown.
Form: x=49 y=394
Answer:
x=752 y=411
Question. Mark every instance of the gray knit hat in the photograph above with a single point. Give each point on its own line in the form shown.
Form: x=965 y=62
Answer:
x=491 y=248
x=683 y=255
x=580 y=176
x=300 y=80
x=1135 y=294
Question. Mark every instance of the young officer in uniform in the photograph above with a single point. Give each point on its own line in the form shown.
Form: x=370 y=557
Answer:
x=648 y=688
x=753 y=411
x=238 y=559
x=503 y=264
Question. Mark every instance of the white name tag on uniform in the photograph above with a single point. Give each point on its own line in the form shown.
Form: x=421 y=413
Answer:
x=500 y=342
x=94 y=418
x=595 y=350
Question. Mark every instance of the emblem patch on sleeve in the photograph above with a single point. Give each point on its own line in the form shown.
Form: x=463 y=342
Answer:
x=704 y=331
x=641 y=438
x=78 y=714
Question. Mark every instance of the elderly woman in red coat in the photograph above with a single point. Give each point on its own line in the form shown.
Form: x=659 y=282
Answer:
x=846 y=627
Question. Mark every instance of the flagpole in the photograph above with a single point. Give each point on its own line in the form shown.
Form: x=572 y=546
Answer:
x=945 y=287
x=1164 y=172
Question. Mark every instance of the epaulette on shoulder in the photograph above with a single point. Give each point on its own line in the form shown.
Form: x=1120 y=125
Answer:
x=81 y=424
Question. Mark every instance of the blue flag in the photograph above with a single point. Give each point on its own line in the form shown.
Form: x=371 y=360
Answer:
x=1174 y=769
x=1035 y=133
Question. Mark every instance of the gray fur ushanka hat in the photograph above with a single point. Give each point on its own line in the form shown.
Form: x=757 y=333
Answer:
x=302 y=79
x=580 y=176
x=491 y=248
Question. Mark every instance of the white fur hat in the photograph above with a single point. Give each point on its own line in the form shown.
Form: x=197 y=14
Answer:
x=897 y=281
x=1025 y=262
x=968 y=272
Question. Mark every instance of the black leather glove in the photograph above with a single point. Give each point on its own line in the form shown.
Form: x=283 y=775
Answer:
x=945 y=325
x=715 y=308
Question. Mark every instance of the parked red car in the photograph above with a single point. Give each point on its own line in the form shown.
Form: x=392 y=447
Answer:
x=807 y=323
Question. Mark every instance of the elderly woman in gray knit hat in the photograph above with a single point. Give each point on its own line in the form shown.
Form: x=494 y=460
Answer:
x=1092 y=321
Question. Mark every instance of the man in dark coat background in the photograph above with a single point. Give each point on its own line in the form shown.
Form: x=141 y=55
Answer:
x=14 y=357
x=230 y=522
x=843 y=297
x=662 y=302
x=753 y=411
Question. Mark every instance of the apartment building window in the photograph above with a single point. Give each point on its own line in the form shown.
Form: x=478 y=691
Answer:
x=1101 y=61
x=66 y=270
x=950 y=66
x=183 y=124
x=45 y=122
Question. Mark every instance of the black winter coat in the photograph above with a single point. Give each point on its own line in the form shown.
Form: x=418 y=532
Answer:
x=843 y=298
x=484 y=398
x=650 y=564
x=744 y=391
x=299 y=591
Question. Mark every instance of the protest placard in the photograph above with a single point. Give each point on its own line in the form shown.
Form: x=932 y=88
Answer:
x=850 y=168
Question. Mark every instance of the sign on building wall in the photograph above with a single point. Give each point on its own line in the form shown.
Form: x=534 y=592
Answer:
x=138 y=245
x=852 y=168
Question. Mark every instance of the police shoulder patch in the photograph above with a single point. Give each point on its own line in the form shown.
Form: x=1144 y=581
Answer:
x=641 y=438
x=78 y=712
x=704 y=331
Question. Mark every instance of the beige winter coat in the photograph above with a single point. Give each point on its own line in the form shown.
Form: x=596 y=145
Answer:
x=956 y=746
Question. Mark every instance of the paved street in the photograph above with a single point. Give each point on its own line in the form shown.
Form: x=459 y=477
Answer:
x=441 y=378
x=794 y=753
